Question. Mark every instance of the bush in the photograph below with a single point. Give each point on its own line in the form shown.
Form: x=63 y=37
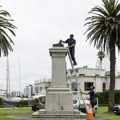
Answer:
x=23 y=103
x=1 y=102
x=117 y=97
x=37 y=105
x=103 y=97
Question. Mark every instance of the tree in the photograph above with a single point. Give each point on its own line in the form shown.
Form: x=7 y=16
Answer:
x=101 y=55
x=5 y=27
x=104 y=31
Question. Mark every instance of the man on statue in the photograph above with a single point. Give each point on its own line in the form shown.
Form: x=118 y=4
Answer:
x=71 y=46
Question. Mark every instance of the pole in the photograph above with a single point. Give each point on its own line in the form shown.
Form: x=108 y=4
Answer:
x=20 y=75
x=7 y=79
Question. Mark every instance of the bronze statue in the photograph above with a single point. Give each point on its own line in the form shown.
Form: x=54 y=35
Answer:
x=59 y=44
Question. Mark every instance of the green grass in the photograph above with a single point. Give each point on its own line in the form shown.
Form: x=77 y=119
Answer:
x=4 y=113
x=102 y=111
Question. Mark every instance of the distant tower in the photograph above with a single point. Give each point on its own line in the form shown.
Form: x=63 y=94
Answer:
x=100 y=55
x=98 y=64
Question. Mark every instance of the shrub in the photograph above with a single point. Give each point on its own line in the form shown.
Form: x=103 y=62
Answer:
x=37 y=105
x=103 y=97
x=1 y=102
x=23 y=103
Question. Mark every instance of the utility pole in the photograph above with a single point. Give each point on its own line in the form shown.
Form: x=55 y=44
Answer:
x=20 y=76
x=7 y=79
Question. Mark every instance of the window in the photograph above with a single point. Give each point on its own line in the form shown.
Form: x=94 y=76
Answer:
x=41 y=88
x=74 y=86
x=87 y=86
x=36 y=89
x=104 y=87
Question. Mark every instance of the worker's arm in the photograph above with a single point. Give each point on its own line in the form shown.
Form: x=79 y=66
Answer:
x=62 y=41
x=84 y=93
x=71 y=46
x=67 y=42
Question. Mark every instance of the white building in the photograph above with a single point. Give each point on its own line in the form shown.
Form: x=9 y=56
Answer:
x=28 y=91
x=91 y=76
x=85 y=78
x=15 y=94
x=41 y=86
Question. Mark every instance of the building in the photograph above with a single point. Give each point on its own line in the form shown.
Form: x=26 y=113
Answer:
x=28 y=91
x=16 y=94
x=91 y=76
x=41 y=86
x=86 y=77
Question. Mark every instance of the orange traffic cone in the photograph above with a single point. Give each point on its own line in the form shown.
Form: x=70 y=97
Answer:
x=90 y=113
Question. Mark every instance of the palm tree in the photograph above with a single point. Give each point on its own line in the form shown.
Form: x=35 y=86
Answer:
x=101 y=55
x=104 y=31
x=5 y=26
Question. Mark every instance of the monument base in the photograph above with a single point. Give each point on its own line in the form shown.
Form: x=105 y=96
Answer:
x=59 y=104
x=59 y=99
x=59 y=114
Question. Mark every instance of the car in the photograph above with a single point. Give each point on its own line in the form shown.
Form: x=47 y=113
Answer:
x=116 y=108
x=118 y=112
x=76 y=103
x=79 y=104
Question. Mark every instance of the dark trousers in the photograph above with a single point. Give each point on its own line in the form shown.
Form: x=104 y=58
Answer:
x=72 y=53
x=92 y=102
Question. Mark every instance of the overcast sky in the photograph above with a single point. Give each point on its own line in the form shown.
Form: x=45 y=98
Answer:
x=40 y=24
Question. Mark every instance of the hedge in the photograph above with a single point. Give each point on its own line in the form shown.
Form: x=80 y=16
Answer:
x=103 y=97
x=23 y=103
x=1 y=102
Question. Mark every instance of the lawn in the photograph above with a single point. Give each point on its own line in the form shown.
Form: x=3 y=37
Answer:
x=4 y=113
x=102 y=111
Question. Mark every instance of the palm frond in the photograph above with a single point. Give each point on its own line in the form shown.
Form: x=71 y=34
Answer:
x=6 y=26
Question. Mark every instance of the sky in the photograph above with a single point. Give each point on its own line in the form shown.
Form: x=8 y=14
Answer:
x=40 y=24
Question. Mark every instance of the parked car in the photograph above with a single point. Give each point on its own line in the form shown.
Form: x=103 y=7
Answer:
x=116 y=108
x=79 y=104
x=118 y=112
x=76 y=103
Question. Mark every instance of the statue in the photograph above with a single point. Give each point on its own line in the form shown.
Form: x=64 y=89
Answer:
x=59 y=44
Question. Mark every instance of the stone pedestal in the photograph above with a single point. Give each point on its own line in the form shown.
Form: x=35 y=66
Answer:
x=58 y=55
x=59 y=99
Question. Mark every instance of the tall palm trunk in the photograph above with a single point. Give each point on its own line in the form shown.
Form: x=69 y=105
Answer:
x=112 y=75
x=100 y=63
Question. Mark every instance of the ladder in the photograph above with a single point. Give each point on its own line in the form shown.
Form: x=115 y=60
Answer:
x=75 y=75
